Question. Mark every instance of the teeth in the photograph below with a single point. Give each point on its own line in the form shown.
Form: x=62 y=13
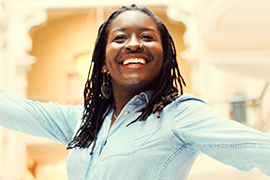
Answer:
x=134 y=61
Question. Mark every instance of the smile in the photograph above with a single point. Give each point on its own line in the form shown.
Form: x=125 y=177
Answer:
x=134 y=61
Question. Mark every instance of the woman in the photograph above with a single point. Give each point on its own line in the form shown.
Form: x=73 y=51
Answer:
x=134 y=123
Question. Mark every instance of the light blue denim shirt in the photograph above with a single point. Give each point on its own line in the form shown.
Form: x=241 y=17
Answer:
x=162 y=148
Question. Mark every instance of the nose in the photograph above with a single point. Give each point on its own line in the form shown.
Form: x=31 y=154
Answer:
x=134 y=45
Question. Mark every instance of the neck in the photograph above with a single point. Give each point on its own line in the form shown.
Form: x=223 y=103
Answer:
x=121 y=98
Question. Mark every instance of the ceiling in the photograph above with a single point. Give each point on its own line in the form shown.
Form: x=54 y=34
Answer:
x=233 y=35
x=236 y=36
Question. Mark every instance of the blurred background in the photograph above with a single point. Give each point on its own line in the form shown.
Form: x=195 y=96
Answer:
x=223 y=51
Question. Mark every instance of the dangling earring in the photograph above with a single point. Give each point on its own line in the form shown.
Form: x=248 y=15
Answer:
x=106 y=89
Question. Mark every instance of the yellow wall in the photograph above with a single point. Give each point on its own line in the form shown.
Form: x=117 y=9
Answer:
x=55 y=46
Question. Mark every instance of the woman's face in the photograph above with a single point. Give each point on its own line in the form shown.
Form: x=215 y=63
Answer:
x=134 y=53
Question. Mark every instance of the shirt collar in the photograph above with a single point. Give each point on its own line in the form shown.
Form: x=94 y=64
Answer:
x=147 y=95
x=142 y=98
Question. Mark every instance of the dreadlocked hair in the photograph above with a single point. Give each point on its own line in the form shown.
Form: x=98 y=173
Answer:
x=96 y=107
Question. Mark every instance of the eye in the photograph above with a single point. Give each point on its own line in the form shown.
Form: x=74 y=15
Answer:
x=120 y=38
x=146 y=37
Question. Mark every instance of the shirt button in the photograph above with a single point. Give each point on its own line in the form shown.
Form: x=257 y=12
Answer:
x=137 y=99
x=126 y=113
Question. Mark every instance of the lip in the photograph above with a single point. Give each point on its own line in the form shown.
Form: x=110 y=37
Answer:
x=133 y=66
x=134 y=56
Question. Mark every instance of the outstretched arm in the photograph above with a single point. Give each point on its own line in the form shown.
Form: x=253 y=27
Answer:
x=49 y=120
x=227 y=141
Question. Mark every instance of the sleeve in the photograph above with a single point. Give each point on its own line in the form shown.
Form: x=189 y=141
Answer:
x=49 y=120
x=231 y=143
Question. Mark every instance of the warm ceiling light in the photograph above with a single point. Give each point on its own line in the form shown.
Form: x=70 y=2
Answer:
x=82 y=63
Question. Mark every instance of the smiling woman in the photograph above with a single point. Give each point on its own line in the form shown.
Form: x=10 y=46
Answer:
x=134 y=55
x=136 y=123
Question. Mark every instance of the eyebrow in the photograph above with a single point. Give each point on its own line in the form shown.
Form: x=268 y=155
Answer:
x=124 y=29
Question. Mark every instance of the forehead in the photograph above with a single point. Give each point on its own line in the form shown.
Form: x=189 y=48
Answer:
x=133 y=19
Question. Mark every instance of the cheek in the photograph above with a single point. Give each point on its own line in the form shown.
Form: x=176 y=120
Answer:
x=157 y=50
x=112 y=51
x=109 y=58
x=158 y=53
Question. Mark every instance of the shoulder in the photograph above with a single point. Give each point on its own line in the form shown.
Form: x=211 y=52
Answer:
x=188 y=105
x=187 y=101
x=78 y=110
x=189 y=98
x=184 y=103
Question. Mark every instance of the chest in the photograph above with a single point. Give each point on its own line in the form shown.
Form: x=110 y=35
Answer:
x=129 y=150
x=138 y=145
